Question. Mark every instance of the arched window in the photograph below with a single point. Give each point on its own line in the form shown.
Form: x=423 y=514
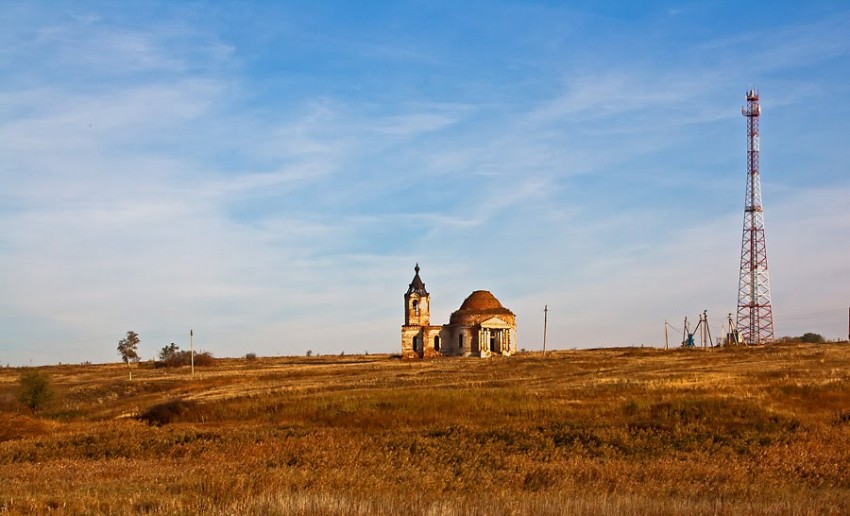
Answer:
x=460 y=341
x=436 y=343
x=416 y=306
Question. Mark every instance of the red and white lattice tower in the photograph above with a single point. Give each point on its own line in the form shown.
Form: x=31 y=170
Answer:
x=755 y=314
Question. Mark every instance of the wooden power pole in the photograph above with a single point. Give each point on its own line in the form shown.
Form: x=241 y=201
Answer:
x=192 y=349
x=545 y=323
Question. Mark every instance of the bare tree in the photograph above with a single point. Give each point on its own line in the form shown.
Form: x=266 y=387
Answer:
x=128 y=349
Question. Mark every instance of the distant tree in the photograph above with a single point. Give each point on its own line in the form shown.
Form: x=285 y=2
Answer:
x=169 y=350
x=128 y=349
x=250 y=356
x=35 y=390
x=812 y=338
x=309 y=352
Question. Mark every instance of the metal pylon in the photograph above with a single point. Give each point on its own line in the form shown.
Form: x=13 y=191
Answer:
x=755 y=313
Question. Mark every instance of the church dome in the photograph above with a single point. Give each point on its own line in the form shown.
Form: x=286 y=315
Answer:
x=479 y=306
x=481 y=300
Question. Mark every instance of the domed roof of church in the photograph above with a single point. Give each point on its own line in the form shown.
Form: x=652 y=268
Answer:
x=481 y=300
x=479 y=306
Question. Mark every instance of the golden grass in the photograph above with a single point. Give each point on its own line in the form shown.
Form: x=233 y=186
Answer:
x=627 y=431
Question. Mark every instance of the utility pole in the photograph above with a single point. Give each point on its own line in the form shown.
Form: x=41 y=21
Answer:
x=730 y=332
x=192 y=349
x=545 y=322
x=665 y=334
x=687 y=337
x=732 y=335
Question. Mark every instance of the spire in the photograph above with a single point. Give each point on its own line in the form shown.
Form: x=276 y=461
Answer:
x=417 y=285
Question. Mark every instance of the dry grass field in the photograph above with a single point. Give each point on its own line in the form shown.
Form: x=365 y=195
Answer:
x=624 y=431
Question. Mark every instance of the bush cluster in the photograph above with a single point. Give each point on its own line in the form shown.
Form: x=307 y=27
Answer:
x=808 y=337
x=184 y=358
x=813 y=338
x=168 y=412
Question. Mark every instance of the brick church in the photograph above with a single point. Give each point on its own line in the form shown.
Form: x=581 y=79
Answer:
x=480 y=327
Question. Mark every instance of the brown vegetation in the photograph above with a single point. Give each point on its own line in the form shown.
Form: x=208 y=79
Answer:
x=628 y=431
x=179 y=358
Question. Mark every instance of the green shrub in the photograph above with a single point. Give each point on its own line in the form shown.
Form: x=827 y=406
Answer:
x=35 y=390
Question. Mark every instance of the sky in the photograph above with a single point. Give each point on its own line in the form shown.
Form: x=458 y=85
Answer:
x=267 y=174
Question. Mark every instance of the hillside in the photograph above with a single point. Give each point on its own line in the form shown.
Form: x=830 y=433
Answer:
x=757 y=430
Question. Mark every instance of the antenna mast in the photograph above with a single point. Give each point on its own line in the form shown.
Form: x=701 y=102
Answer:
x=755 y=313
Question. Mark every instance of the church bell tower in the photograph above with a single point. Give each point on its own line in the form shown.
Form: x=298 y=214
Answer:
x=417 y=310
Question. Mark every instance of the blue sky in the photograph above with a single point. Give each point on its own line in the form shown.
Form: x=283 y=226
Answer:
x=268 y=174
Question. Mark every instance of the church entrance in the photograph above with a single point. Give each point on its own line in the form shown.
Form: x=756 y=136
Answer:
x=495 y=340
